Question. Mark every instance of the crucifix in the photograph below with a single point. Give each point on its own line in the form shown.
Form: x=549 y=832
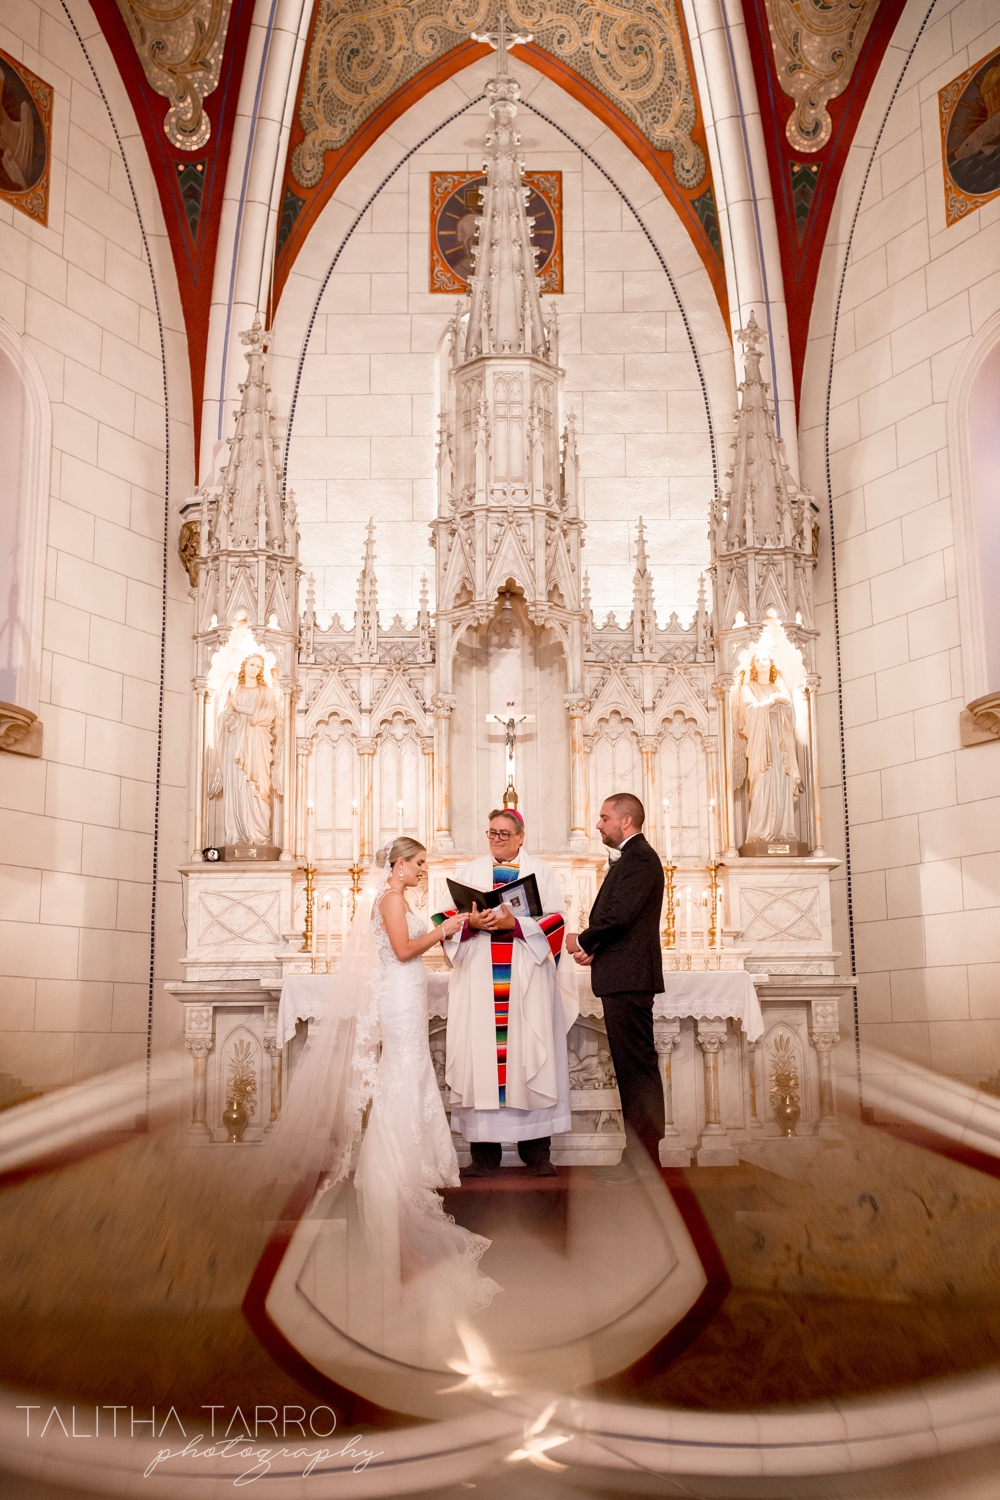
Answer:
x=501 y=41
x=510 y=725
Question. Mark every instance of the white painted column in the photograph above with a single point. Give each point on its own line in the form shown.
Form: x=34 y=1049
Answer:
x=666 y=1038
x=578 y=837
x=715 y=1149
x=747 y=225
x=250 y=210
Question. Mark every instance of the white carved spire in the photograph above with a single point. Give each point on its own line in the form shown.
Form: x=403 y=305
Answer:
x=366 y=613
x=570 y=467
x=762 y=529
x=250 y=513
x=424 y=621
x=763 y=506
x=643 y=607
x=505 y=315
x=508 y=505
x=249 y=545
x=307 y=643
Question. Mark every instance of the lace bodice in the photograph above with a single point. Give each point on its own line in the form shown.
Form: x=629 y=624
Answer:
x=383 y=947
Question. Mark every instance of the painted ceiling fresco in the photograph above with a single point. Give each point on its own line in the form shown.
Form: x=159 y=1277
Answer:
x=182 y=64
x=814 y=62
x=368 y=60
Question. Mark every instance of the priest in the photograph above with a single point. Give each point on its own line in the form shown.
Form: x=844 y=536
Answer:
x=510 y=1005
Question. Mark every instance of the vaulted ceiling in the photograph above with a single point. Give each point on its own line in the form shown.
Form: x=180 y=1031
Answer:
x=367 y=61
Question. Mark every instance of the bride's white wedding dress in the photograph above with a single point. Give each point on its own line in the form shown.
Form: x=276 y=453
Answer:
x=428 y=1263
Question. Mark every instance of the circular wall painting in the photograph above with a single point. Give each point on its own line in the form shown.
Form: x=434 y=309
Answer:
x=970 y=130
x=25 y=119
x=456 y=201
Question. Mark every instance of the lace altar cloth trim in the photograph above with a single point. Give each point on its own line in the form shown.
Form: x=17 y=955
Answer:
x=304 y=997
x=710 y=997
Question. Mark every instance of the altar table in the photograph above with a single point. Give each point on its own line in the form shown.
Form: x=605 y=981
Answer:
x=305 y=997
x=712 y=996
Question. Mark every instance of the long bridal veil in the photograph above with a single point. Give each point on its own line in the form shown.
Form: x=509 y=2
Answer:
x=322 y=1115
x=409 y=1294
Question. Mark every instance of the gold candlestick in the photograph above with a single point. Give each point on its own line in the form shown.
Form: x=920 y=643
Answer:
x=310 y=902
x=670 y=926
x=355 y=871
x=714 y=925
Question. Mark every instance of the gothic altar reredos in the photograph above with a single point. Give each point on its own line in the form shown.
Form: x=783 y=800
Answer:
x=316 y=744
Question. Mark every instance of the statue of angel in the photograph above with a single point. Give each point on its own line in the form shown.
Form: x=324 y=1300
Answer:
x=245 y=767
x=764 y=754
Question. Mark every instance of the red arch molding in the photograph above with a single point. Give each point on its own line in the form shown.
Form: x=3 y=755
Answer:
x=339 y=163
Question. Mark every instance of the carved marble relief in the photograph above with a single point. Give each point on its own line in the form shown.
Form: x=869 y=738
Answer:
x=816 y=44
x=180 y=45
x=364 y=50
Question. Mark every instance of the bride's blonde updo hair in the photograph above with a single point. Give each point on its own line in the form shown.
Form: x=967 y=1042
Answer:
x=402 y=848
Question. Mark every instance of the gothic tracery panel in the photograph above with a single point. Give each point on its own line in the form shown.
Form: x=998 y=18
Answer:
x=399 y=779
x=682 y=776
x=334 y=788
x=615 y=761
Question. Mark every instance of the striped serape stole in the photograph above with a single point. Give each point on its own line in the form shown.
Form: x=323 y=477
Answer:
x=501 y=953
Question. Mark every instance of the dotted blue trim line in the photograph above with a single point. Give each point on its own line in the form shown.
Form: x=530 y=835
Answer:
x=756 y=218
x=632 y=210
x=663 y=266
x=339 y=252
x=239 y=220
x=163 y=575
x=833 y=544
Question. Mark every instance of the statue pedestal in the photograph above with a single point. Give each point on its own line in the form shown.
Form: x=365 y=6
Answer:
x=237 y=913
x=778 y=913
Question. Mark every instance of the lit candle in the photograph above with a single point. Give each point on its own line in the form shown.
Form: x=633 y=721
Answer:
x=399 y=820
x=310 y=834
x=704 y=919
x=355 y=834
x=329 y=929
x=668 y=835
x=711 y=832
x=687 y=917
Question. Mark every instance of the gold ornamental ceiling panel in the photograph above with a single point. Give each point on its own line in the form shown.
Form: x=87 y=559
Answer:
x=631 y=51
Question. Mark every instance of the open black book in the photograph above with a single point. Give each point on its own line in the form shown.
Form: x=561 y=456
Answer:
x=521 y=897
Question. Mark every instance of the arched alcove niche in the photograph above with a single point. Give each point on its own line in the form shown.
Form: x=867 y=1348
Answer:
x=25 y=443
x=974 y=443
x=357 y=335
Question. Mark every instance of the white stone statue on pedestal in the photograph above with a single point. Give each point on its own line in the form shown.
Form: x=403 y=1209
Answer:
x=764 y=750
x=245 y=760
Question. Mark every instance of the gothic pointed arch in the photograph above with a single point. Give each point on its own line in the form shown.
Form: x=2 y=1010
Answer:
x=659 y=118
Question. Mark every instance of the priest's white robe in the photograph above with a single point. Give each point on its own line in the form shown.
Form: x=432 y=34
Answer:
x=543 y=1006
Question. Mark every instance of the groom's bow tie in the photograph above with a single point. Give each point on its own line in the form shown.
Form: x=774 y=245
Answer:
x=613 y=855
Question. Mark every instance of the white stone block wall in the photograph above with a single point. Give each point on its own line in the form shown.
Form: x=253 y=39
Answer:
x=363 y=437
x=924 y=813
x=76 y=826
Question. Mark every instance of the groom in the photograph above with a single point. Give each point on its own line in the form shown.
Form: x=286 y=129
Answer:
x=510 y=1005
x=621 y=947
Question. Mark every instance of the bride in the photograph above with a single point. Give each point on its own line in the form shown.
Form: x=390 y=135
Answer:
x=407 y=1151
x=410 y=1297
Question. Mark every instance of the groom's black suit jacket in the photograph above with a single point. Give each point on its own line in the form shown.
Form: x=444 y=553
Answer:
x=624 y=927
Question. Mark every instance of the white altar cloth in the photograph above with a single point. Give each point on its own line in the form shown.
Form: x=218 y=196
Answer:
x=710 y=997
x=305 y=997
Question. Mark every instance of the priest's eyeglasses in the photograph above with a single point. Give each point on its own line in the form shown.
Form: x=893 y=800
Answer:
x=497 y=836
